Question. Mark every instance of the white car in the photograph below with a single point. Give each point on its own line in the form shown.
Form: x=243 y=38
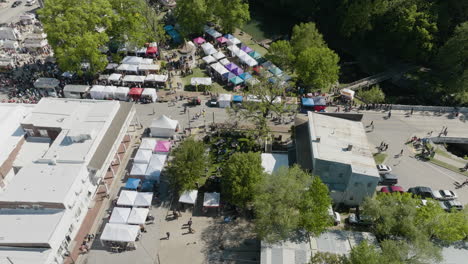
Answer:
x=335 y=216
x=30 y=2
x=444 y=195
x=384 y=169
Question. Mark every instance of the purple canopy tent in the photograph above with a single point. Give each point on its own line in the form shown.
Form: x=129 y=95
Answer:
x=231 y=67
x=162 y=146
x=247 y=49
x=199 y=40
x=237 y=71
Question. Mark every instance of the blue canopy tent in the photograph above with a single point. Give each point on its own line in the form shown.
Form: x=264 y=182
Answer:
x=132 y=183
x=229 y=36
x=174 y=35
x=307 y=101
x=255 y=55
x=237 y=99
x=275 y=70
x=147 y=186
x=236 y=80
x=245 y=76
x=229 y=75
x=168 y=27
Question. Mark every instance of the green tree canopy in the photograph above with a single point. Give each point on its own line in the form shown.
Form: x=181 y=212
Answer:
x=282 y=202
x=241 y=173
x=305 y=35
x=364 y=253
x=188 y=165
x=318 y=67
x=231 y=14
x=452 y=61
x=282 y=54
x=192 y=15
x=75 y=30
x=374 y=95
x=328 y=258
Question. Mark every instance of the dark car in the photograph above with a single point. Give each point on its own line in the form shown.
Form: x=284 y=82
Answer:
x=16 y=3
x=194 y=101
x=361 y=220
x=213 y=102
x=388 y=179
x=423 y=192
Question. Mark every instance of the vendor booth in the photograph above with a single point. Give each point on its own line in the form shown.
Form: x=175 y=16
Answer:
x=208 y=48
x=155 y=166
x=347 y=93
x=97 y=92
x=148 y=143
x=209 y=59
x=132 y=60
x=143 y=199
x=200 y=81
x=237 y=99
x=127 y=198
x=152 y=51
x=142 y=156
x=132 y=183
x=75 y=91
x=219 y=55
x=189 y=197
x=109 y=92
x=148 y=68
x=119 y=215
x=120 y=232
x=115 y=77
x=163 y=127
x=135 y=93
x=121 y=93
x=47 y=86
x=134 y=79
x=162 y=146
x=224 y=100
x=138 y=169
x=159 y=78
x=211 y=199
x=127 y=68
x=138 y=216
x=149 y=95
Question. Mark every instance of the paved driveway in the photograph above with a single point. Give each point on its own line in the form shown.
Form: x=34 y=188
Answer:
x=9 y=14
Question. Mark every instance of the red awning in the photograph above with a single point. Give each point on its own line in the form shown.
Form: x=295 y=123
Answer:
x=152 y=50
x=135 y=91
x=257 y=69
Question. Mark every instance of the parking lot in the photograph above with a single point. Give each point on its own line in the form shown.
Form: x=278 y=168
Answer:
x=10 y=14
x=411 y=171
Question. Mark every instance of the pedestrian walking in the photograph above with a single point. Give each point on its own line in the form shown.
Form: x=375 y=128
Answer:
x=372 y=123
x=412 y=109
x=389 y=114
x=401 y=152
x=189 y=223
x=168 y=235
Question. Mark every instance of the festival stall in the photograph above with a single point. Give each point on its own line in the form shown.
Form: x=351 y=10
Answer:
x=143 y=199
x=127 y=198
x=132 y=183
x=121 y=93
x=163 y=127
x=134 y=60
x=119 y=215
x=75 y=91
x=211 y=199
x=135 y=93
x=347 y=93
x=97 y=92
x=213 y=33
x=120 y=233
x=208 y=48
x=148 y=68
x=237 y=99
x=143 y=156
x=219 y=55
x=138 y=169
x=46 y=86
x=159 y=78
x=152 y=51
x=109 y=92
x=199 y=40
x=219 y=68
x=138 y=216
x=163 y=146
x=148 y=143
x=134 y=79
x=224 y=100
x=115 y=77
x=189 y=197
x=200 y=81
x=127 y=68
x=209 y=59
x=149 y=95
x=155 y=166
x=224 y=62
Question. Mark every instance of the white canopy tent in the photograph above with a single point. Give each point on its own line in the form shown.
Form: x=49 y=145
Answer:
x=149 y=67
x=347 y=93
x=115 y=77
x=119 y=215
x=224 y=62
x=233 y=41
x=134 y=79
x=132 y=60
x=224 y=100
x=163 y=127
x=151 y=93
x=253 y=98
x=148 y=143
x=128 y=68
x=127 y=198
x=219 y=68
x=143 y=199
x=189 y=197
x=97 y=92
x=219 y=55
x=156 y=78
x=155 y=166
x=143 y=156
x=208 y=48
x=146 y=61
x=120 y=233
x=138 y=216
x=209 y=59
x=138 y=169
x=109 y=92
x=200 y=81
x=211 y=199
x=122 y=93
x=112 y=66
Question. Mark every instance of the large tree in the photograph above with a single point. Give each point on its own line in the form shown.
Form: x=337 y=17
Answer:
x=192 y=15
x=374 y=95
x=452 y=61
x=318 y=67
x=241 y=173
x=75 y=30
x=282 y=201
x=188 y=165
x=305 y=35
x=231 y=14
x=282 y=54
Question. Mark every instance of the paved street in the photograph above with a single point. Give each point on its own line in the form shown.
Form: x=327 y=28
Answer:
x=9 y=14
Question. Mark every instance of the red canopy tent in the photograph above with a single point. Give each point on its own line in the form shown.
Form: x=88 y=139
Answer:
x=151 y=50
x=135 y=93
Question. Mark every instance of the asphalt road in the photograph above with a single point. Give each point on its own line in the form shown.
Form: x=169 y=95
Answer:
x=9 y=14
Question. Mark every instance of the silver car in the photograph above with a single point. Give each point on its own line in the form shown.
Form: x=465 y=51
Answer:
x=383 y=169
x=444 y=195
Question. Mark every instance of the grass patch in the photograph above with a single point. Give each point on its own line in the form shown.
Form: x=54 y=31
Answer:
x=448 y=166
x=442 y=153
x=197 y=72
x=246 y=39
x=379 y=157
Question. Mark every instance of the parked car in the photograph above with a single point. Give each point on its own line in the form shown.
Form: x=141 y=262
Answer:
x=16 y=3
x=392 y=189
x=361 y=220
x=423 y=192
x=30 y=2
x=388 y=179
x=448 y=205
x=194 y=101
x=213 y=102
x=444 y=195
x=383 y=169
x=335 y=216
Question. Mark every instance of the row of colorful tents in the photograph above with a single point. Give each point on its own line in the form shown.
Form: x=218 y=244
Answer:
x=101 y=92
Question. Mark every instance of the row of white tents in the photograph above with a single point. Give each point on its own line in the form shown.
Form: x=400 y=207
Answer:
x=102 y=92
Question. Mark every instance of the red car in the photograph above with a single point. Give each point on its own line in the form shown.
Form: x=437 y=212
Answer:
x=392 y=189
